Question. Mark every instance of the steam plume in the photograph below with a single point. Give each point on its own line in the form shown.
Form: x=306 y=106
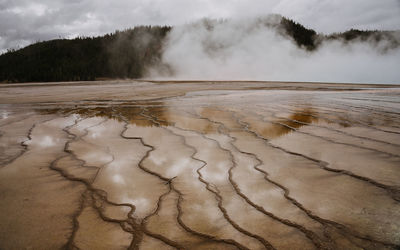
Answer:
x=257 y=49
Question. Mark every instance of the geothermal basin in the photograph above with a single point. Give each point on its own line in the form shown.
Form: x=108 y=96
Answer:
x=199 y=165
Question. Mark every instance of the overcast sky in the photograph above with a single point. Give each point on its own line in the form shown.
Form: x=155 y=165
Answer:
x=25 y=21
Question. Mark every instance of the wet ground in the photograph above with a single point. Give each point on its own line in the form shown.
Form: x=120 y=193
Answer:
x=199 y=165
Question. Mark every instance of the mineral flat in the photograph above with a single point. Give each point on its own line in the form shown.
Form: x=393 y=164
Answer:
x=199 y=165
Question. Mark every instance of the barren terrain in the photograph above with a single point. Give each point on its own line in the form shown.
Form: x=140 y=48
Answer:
x=199 y=165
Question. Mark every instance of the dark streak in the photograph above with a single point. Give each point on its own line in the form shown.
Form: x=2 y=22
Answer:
x=323 y=166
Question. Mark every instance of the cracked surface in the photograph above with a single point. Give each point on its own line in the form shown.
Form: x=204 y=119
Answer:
x=199 y=165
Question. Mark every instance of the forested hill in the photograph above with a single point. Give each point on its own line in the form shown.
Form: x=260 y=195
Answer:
x=127 y=54
x=119 y=55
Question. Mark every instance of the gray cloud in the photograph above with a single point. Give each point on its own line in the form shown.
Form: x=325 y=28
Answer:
x=23 y=22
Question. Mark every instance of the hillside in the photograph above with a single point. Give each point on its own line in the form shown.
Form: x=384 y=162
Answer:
x=127 y=54
x=123 y=54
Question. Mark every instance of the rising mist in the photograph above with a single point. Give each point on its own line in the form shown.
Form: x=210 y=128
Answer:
x=258 y=49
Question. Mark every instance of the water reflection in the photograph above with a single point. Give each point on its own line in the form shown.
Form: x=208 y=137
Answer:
x=141 y=116
x=124 y=112
x=157 y=114
x=274 y=127
x=4 y=114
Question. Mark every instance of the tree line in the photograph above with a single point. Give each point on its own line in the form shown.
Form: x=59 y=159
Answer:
x=127 y=54
x=122 y=54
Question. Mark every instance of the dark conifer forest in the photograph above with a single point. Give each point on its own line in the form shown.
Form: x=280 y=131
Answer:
x=127 y=54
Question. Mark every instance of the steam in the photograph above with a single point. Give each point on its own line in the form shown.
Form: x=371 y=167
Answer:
x=256 y=49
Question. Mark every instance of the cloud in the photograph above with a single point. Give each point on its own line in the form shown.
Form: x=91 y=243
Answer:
x=339 y=15
x=23 y=22
x=247 y=49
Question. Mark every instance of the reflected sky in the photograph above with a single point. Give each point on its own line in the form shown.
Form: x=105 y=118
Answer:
x=189 y=118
